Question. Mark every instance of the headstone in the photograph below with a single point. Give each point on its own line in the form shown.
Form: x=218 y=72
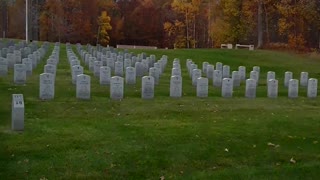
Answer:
x=196 y=73
x=91 y=63
x=96 y=68
x=83 y=87
x=312 y=88
x=255 y=75
x=17 y=115
x=202 y=87
x=158 y=66
x=293 y=89
x=130 y=75
x=217 y=78
x=34 y=60
x=28 y=63
x=11 y=60
x=17 y=55
x=127 y=63
x=256 y=68
x=271 y=75
x=105 y=75
x=176 y=86
x=204 y=68
x=227 y=88
x=236 y=78
x=118 y=68
x=3 y=67
x=287 y=77
x=209 y=71
x=155 y=74
x=251 y=86
x=273 y=88
x=76 y=70
x=219 y=66
x=139 y=69
x=304 y=78
x=49 y=68
x=46 y=86
x=20 y=74
x=175 y=72
x=52 y=61
x=147 y=91
x=192 y=67
x=116 y=88
x=176 y=65
x=242 y=73
x=226 y=71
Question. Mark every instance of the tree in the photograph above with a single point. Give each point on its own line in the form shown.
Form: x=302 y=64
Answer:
x=104 y=27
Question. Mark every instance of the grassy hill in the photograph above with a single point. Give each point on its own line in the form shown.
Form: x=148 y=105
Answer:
x=187 y=138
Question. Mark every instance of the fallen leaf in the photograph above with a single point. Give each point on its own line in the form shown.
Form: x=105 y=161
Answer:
x=277 y=164
x=315 y=142
x=254 y=146
x=181 y=172
x=162 y=178
x=226 y=150
x=292 y=161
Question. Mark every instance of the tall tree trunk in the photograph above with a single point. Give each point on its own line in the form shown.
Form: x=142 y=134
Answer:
x=260 y=25
x=266 y=20
x=187 y=27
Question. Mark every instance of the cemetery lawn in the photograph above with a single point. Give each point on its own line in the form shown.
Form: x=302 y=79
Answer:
x=165 y=138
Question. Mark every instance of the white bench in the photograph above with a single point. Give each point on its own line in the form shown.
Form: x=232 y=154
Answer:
x=226 y=46
x=251 y=47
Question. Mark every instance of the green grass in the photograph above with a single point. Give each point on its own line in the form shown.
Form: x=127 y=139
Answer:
x=182 y=138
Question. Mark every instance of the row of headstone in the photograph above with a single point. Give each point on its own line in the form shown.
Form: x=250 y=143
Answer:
x=47 y=78
x=25 y=68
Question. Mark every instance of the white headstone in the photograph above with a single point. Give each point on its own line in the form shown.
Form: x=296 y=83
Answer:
x=176 y=65
x=110 y=63
x=130 y=75
x=202 y=87
x=251 y=88
x=273 y=88
x=116 y=88
x=287 y=77
x=52 y=61
x=76 y=70
x=192 y=67
x=83 y=86
x=176 y=86
x=227 y=88
x=46 y=86
x=127 y=63
x=196 y=73
x=139 y=68
x=118 y=68
x=49 y=68
x=17 y=115
x=96 y=68
x=28 y=63
x=147 y=91
x=175 y=72
x=236 y=78
x=256 y=68
x=219 y=66
x=105 y=75
x=91 y=63
x=293 y=89
x=209 y=71
x=11 y=60
x=312 y=88
x=3 y=66
x=255 y=75
x=271 y=75
x=242 y=73
x=217 y=78
x=204 y=68
x=155 y=74
x=20 y=75
x=226 y=71
x=304 y=78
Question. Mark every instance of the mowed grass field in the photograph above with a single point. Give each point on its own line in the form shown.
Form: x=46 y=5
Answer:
x=165 y=138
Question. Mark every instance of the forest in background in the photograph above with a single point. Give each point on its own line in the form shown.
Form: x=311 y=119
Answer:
x=280 y=24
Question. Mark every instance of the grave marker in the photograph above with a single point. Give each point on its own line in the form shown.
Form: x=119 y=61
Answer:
x=227 y=88
x=116 y=88
x=147 y=91
x=273 y=88
x=312 y=88
x=46 y=86
x=17 y=115
x=202 y=87
x=83 y=87
x=293 y=89
x=176 y=86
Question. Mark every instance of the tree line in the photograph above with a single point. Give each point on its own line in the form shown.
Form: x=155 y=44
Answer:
x=290 y=24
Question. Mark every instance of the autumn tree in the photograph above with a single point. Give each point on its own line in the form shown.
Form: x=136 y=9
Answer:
x=104 y=27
